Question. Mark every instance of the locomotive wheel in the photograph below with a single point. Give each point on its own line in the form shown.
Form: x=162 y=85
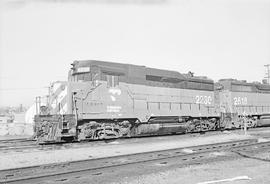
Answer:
x=107 y=133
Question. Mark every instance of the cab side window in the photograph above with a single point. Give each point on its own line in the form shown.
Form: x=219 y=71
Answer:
x=112 y=80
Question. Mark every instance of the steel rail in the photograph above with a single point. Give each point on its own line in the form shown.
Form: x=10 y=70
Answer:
x=14 y=140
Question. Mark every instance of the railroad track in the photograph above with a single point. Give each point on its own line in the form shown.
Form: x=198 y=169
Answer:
x=20 y=145
x=4 y=141
x=14 y=144
x=184 y=155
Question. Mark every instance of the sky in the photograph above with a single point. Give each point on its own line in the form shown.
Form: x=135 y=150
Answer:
x=39 y=39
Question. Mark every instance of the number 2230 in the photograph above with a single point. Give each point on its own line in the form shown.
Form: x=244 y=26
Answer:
x=203 y=99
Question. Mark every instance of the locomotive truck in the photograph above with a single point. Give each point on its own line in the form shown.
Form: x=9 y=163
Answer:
x=103 y=100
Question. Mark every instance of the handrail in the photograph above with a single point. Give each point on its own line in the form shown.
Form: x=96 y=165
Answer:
x=89 y=91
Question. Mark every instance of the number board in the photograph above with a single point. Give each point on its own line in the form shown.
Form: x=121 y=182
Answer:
x=206 y=100
x=240 y=100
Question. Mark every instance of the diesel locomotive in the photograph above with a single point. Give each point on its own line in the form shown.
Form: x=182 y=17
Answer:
x=103 y=100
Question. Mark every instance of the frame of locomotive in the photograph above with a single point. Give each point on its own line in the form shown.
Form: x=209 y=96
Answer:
x=109 y=100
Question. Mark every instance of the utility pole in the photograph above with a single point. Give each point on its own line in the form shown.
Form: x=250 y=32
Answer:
x=268 y=73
